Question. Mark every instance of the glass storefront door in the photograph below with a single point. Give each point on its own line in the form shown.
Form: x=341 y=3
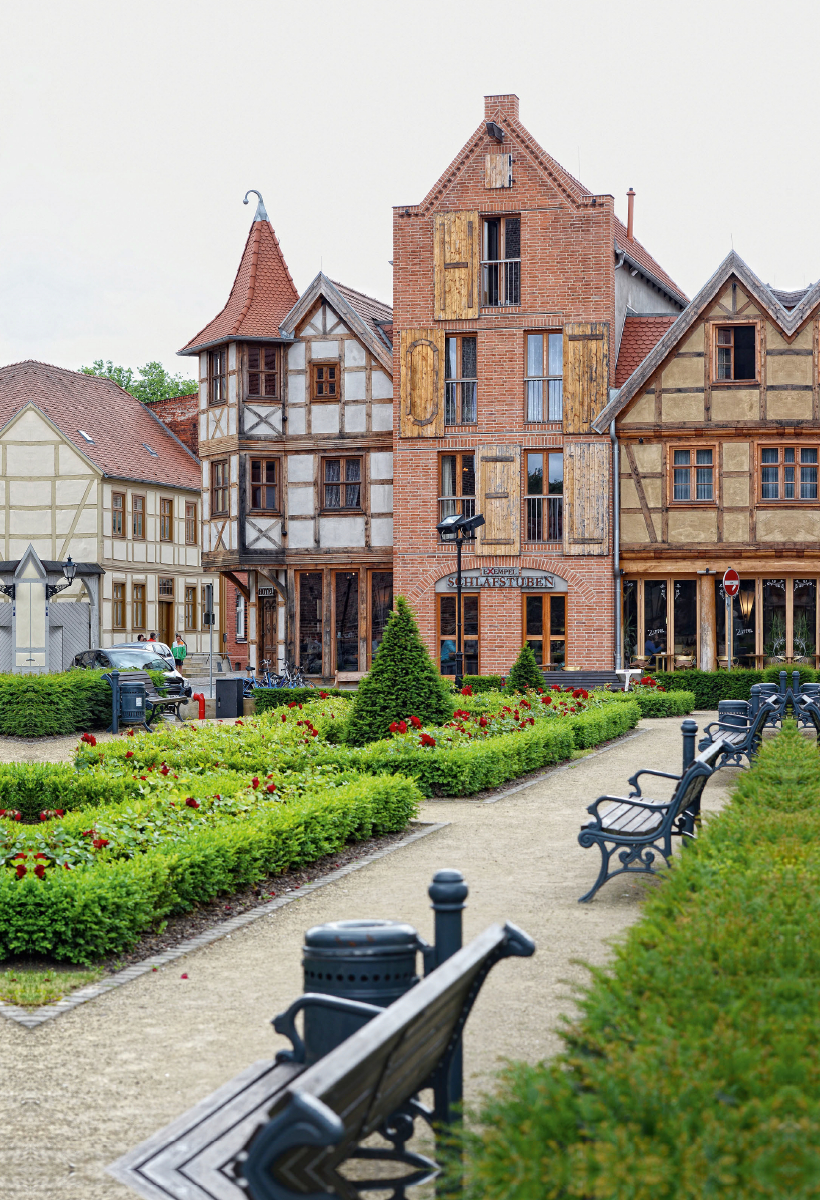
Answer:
x=346 y=585
x=310 y=622
x=804 y=620
x=545 y=629
x=448 y=634
x=654 y=621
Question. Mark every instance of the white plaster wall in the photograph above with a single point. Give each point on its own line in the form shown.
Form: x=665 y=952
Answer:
x=338 y=532
x=355 y=384
x=296 y=356
x=296 y=386
x=381 y=465
x=381 y=497
x=296 y=421
x=300 y=535
x=300 y=468
x=382 y=417
x=323 y=350
x=381 y=531
x=355 y=418
x=324 y=418
x=300 y=501
x=381 y=386
x=354 y=354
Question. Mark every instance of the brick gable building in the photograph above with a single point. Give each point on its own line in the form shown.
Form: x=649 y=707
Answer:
x=512 y=286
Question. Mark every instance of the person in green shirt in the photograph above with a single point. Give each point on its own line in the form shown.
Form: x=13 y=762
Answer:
x=179 y=651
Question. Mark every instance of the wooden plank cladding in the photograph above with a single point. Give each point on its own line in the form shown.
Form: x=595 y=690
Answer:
x=457 y=255
x=499 y=499
x=586 y=373
x=498 y=171
x=586 y=497
x=422 y=383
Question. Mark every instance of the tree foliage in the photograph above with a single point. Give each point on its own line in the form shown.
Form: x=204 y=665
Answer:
x=148 y=383
x=403 y=683
x=525 y=672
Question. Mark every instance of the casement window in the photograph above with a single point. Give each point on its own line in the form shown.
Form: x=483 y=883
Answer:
x=219 y=488
x=166 y=519
x=118 y=514
x=342 y=483
x=218 y=382
x=545 y=377
x=501 y=261
x=190 y=608
x=324 y=381
x=693 y=472
x=310 y=621
x=138 y=605
x=264 y=483
x=457 y=490
x=138 y=518
x=263 y=374
x=788 y=473
x=240 y=617
x=190 y=523
x=165 y=588
x=118 y=607
x=460 y=380
x=447 y=634
x=544 y=500
x=545 y=629
x=735 y=357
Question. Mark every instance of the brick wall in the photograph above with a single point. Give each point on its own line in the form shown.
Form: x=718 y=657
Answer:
x=181 y=415
x=236 y=651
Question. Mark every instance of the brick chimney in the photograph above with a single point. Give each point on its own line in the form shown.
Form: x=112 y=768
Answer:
x=500 y=106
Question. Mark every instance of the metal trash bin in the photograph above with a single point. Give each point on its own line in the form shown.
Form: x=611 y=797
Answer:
x=229 y=697
x=733 y=713
x=372 y=961
x=132 y=701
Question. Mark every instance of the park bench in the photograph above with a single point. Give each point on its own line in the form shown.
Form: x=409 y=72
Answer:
x=155 y=703
x=283 y=1130
x=741 y=737
x=637 y=828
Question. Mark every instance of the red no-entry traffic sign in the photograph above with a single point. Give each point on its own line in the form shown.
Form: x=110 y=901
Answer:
x=731 y=582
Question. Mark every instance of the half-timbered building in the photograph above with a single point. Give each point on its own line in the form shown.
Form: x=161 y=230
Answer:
x=718 y=437
x=295 y=437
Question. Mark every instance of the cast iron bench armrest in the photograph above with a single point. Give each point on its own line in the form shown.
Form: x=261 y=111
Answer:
x=285 y=1023
x=633 y=779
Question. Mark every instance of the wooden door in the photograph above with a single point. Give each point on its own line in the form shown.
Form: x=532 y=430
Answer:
x=166 y=630
x=268 y=611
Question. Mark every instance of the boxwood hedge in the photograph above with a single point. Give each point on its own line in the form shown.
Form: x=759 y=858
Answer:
x=68 y=702
x=694 y=1069
x=711 y=686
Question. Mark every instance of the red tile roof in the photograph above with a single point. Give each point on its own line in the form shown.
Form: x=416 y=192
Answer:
x=262 y=295
x=639 y=336
x=120 y=425
x=374 y=312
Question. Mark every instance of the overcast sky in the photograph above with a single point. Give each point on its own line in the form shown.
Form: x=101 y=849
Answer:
x=129 y=133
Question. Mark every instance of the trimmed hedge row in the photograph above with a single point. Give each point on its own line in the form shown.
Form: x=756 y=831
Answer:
x=103 y=908
x=269 y=698
x=711 y=686
x=653 y=703
x=694 y=1069
x=48 y=705
x=483 y=683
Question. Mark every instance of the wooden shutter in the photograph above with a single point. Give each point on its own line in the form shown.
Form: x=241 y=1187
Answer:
x=498 y=496
x=498 y=171
x=456 y=255
x=586 y=497
x=586 y=374
x=422 y=383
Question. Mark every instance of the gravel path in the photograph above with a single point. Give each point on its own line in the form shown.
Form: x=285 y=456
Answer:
x=81 y=1090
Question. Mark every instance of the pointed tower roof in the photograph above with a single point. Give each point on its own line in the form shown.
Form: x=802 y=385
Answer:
x=263 y=292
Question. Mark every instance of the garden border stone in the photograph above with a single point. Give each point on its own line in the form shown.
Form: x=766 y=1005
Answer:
x=31 y=1018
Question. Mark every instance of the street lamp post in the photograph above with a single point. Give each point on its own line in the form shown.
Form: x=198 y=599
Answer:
x=69 y=570
x=459 y=529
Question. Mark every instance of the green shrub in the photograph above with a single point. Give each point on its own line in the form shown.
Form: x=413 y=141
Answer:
x=484 y=683
x=772 y=674
x=710 y=686
x=279 y=697
x=525 y=672
x=402 y=682
x=653 y=703
x=47 y=705
x=694 y=1069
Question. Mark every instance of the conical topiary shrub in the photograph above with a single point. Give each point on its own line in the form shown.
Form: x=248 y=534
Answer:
x=525 y=672
x=403 y=682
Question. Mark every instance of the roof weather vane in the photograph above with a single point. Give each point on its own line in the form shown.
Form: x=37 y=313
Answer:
x=261 y=214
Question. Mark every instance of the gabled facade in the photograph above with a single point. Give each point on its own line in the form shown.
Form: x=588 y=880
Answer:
x=295 y=438
x=512 y=286
x=718 y=433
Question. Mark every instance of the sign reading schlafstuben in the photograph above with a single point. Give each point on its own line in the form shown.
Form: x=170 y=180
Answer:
x=522 y=579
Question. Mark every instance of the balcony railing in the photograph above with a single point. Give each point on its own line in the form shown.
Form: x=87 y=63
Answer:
x=463 y=505
x=545 y=518
x=545 y=400
x=460 y=402
x=501 y=282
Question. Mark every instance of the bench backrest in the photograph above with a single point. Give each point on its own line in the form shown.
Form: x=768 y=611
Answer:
x=348 y=1094
x=694 y=779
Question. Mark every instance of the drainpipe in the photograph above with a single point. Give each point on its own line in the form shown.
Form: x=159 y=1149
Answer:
x=616 y=502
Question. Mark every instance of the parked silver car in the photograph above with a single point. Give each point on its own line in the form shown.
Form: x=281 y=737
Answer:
x=158 y=648
x=115 y=658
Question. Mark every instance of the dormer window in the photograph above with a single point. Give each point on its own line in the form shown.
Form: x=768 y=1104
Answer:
x=735 y=353
x=219 y=376
x=263 y=375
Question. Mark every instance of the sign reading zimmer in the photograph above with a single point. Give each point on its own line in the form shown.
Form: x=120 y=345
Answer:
x=520 y=578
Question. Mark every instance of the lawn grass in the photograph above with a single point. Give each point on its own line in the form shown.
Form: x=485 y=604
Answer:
x=29 y=987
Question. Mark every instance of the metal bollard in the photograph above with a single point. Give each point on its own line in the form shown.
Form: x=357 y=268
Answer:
x=115 y=702
x=689 y=730
x=795 y=683
x=448 y=891
x=783 y=683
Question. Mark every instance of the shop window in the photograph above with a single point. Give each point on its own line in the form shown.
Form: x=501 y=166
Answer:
x=310 y=622
x=788 y=473
x=166 y=519
x=263 y=374
x=693 y=476
x=685 y=617
x=347 y=620
x=190 y=523
x=804 y=620
x=735 y=357
x=630 y=619
x=545 y=629
x=325 y=382
x=655 y=622
x=138 y=518
x=118 y=514
x=544 y=499
x=545 y=377
x=241 y=617
x=381 y=604
x=744 y=623
x=342 y=483
x=264 y=485
x=501 y=262
x=219 y=488
x=774 y=618
x=460 y=380
x=138 y=605
x=190 y=608
x=118 y=608
x=457 y=493
x=448 y=634
x=218 y=378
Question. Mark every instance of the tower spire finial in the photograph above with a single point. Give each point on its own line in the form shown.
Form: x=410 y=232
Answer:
x=261 y=214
